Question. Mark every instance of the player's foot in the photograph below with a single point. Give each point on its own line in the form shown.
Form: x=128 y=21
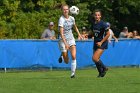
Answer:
x=60 y=59
x=73 y=76
x=106 y=69
x=104 y=72
x=100 y=75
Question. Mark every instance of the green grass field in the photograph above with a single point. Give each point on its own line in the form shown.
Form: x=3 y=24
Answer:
x=117 y=80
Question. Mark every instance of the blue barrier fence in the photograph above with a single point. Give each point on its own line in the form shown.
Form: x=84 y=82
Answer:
x=26 y=53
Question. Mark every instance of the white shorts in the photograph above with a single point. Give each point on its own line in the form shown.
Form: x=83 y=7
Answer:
x=62 y=45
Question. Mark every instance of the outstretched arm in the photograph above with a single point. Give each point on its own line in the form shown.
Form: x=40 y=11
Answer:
x=76 y=29
x=116 y=40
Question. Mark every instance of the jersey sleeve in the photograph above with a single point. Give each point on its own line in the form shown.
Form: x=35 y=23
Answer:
x=73 y=19
x=61 y=22
x=105 y=27
x=112 y=32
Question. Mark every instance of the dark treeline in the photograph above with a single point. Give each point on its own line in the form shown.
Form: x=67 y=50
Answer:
x=26 y=19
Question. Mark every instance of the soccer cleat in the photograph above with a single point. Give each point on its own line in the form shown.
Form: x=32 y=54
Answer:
x=60 y=59
x=73 y=76
x=99 y=76
x=106 y=69
x=104 y=72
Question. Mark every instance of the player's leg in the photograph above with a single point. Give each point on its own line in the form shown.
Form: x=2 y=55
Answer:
x=65 y=57
x=60 y=58
x=103 y=66
x=96 y=59
x=73 y=63
x=64 y=52
x=104 y=46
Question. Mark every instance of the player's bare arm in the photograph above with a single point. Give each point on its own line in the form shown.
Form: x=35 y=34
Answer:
x=63 y=37
x=76 y=29
x=104 y=39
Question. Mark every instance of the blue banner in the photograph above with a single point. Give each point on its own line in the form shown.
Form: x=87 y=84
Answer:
x=26 y=53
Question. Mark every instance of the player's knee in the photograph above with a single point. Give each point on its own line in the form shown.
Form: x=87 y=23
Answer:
x=95 y=59
x=66 y=61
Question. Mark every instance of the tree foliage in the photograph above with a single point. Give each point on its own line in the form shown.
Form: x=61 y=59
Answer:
x=26 y=19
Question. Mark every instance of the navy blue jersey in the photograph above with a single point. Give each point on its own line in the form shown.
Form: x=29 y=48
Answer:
x=99 y=30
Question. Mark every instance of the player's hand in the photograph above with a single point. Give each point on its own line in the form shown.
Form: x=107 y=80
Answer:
x=109 y=41
x=116 y=40
x=81 y=37
x=67 y=46
x=99 y=44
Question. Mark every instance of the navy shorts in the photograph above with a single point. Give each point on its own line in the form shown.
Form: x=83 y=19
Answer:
x=103 y=46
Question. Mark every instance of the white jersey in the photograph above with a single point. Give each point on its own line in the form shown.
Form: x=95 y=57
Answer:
x=67 y=25
x=111 y=34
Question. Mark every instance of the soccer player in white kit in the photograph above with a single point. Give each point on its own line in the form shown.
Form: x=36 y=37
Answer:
x=67 y=40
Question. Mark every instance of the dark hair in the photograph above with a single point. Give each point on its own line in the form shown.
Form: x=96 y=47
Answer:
x=97 y=10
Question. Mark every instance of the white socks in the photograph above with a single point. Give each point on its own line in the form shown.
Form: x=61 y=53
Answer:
x=62 y=58
x=73 y=67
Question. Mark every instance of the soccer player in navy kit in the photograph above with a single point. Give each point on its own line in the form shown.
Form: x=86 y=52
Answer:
x=101 y=35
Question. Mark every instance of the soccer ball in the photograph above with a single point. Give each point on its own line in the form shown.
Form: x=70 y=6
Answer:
x=74 y=10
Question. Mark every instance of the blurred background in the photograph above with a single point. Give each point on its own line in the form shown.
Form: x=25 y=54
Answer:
x=26 y=19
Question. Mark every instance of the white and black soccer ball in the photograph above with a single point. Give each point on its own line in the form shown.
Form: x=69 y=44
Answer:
x=74 y=10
